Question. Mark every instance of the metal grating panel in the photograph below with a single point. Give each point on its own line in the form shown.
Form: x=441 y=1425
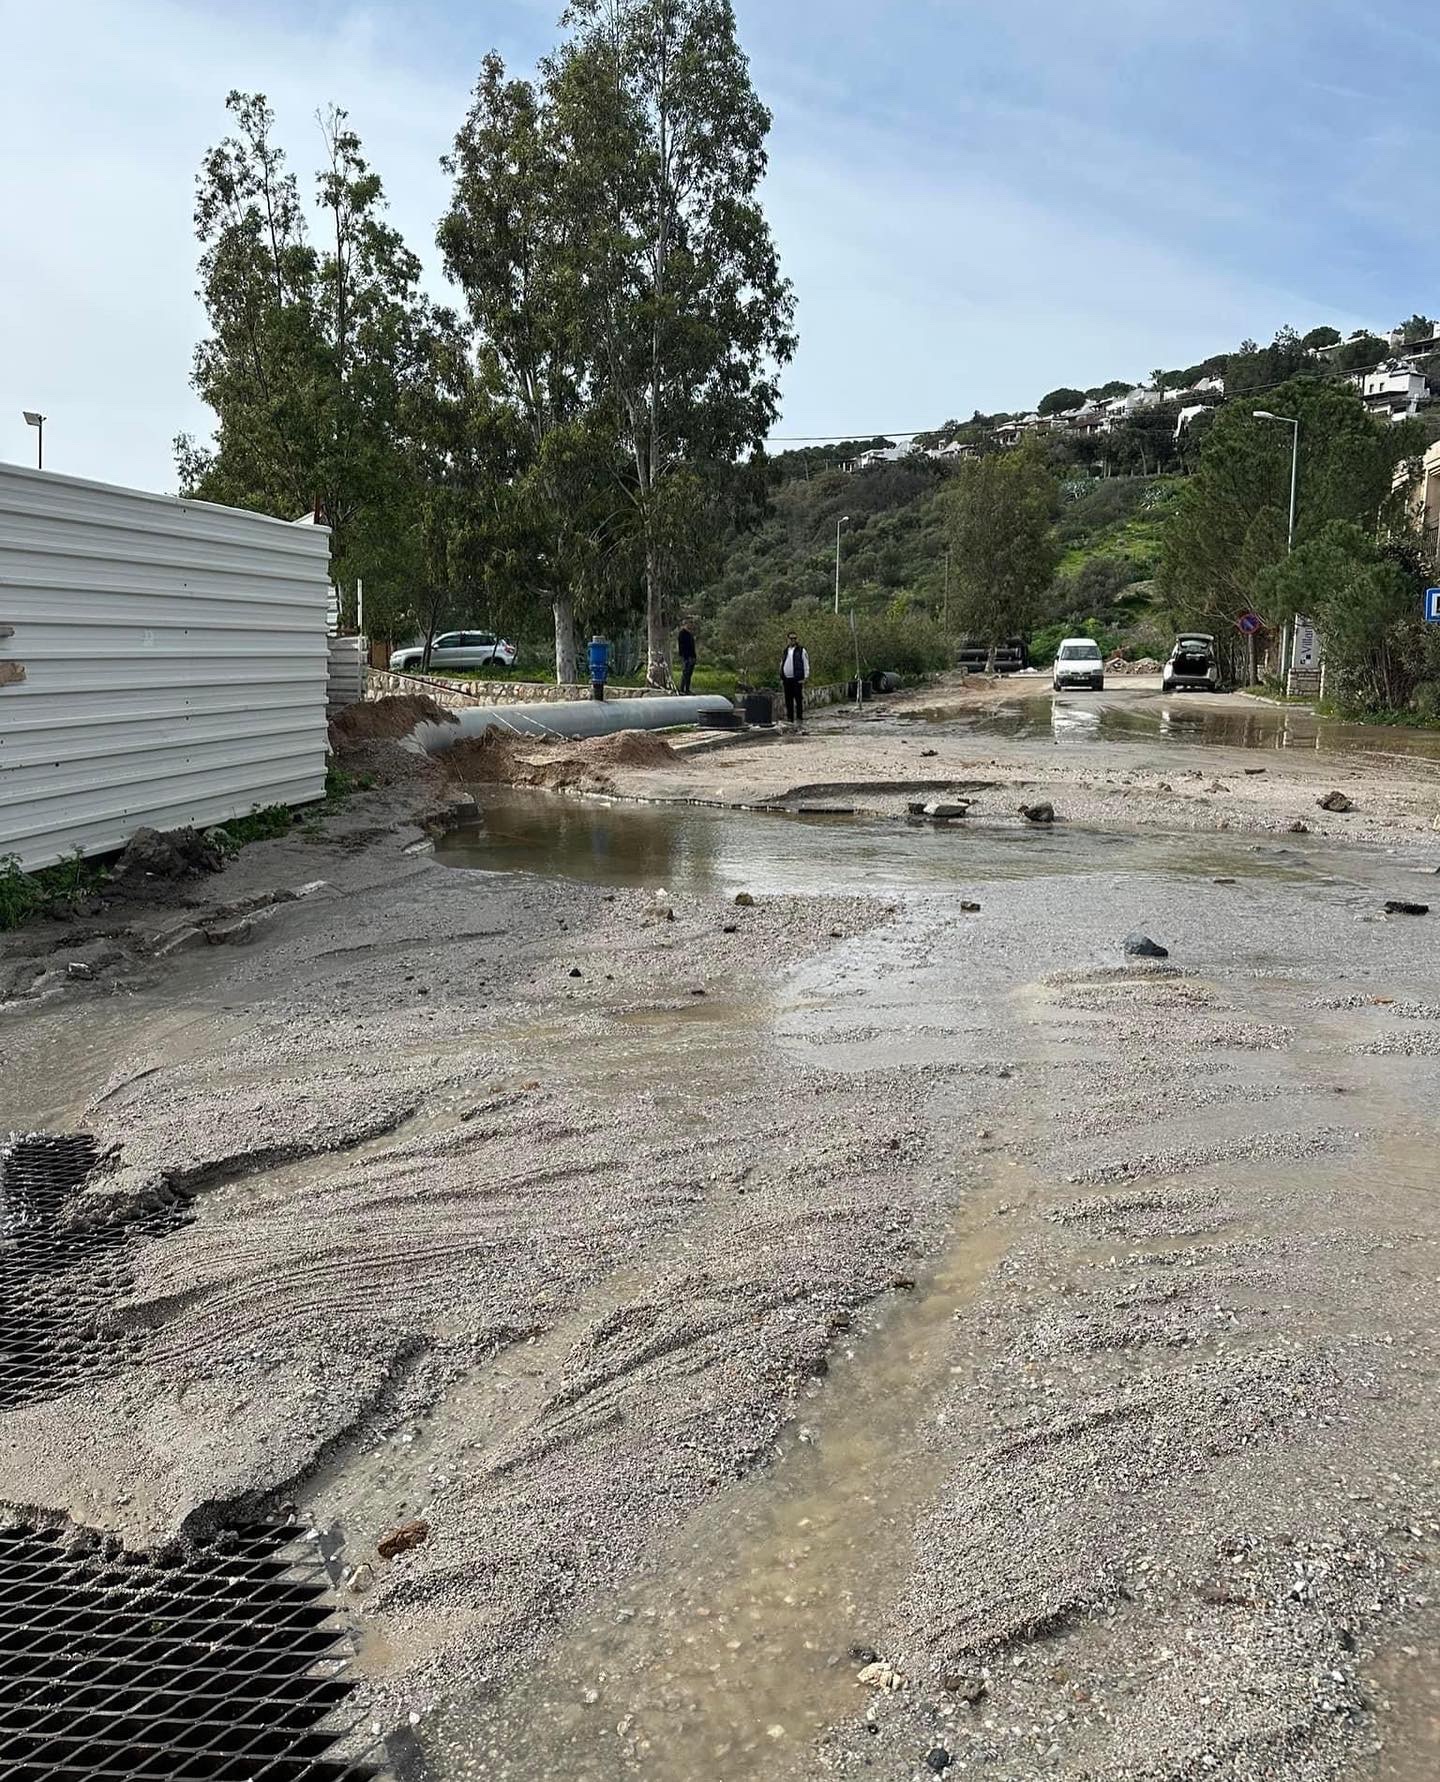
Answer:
x=58 y=1282
x=226 y=1664
x=162 y=662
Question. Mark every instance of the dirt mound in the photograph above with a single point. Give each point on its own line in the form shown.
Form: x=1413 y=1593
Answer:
x=1145 y=665
x=495 y=758
x=385 y=719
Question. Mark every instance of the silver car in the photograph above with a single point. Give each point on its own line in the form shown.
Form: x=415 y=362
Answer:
x=457 y=649
x=1191 y=666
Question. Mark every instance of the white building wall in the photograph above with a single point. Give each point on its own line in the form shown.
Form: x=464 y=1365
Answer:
x=162 y=662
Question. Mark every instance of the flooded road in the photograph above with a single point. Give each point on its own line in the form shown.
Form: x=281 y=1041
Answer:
x=1124 y=714
x=695 y=852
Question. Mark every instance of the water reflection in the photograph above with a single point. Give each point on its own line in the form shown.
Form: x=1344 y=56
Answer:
x=693 y=851
x=1196 y=718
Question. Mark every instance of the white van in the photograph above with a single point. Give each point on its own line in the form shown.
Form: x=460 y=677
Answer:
x=1078 y=663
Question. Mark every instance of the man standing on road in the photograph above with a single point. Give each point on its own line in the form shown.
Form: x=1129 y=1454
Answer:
x=794 y=672
x=687 y=654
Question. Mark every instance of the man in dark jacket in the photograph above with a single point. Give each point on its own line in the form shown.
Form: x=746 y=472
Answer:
x=794 y=672
x=687 y=654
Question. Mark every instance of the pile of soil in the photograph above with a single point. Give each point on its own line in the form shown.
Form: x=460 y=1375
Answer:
x=495 y=758
x=385 y=719
x=1145 y=665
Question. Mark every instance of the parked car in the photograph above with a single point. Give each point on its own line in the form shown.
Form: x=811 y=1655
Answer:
x=458 y=649
x=1190 y=666
x=1078 y=663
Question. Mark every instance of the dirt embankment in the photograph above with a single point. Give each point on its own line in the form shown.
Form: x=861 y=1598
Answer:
x=495 y=758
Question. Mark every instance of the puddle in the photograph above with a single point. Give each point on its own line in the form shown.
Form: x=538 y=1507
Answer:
x=1193 y=718
x=694 y=851
x=734 y=1656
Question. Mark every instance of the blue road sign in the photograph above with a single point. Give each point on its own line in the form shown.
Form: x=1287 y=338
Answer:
x=1432 y=606
x=1250 y=623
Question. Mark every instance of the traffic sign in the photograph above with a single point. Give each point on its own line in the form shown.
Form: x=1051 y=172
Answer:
x=1250 y=623
x=1432 y=606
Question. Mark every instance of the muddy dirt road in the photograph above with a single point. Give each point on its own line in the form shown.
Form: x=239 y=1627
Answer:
x=846 y=1330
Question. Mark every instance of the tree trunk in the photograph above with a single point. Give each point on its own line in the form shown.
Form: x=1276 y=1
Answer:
x=566 y=670
x=657 y=635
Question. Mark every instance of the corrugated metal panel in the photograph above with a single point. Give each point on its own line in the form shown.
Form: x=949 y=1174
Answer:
x=174 y=663
x=347 y=672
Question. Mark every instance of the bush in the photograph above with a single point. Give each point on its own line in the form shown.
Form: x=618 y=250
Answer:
x=900 y=642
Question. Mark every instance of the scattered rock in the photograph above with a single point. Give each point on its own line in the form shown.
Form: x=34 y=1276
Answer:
x=880 y=1675
x=402 y=1539
x=1254 y=770
x=1222 y=881
x=1401 y=906
x=1038 y=813
x=731 y=928
x=1335 y=801
x=1140 y=946
x=968 y=908
x=928 y=754
x=575 y=972
x=969 y=1686
x=938 y=1760
x=697 y=993
x=864 y=1655
x=80 y=971
x=744 y=900
x=837 y=934
x=1299 y=828
x=231 y=934
x=939 y=812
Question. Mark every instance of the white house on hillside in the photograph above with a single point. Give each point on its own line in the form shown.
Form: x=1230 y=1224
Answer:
x=1397 y=388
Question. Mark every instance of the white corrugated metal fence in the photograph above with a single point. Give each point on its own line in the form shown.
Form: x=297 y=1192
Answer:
x=165 y=663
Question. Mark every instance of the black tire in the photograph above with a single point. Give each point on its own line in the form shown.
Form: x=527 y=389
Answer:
x=1099 y=685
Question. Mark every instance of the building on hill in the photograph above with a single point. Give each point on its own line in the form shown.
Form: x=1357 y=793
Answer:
x=1187 y=415
x=1397 y=388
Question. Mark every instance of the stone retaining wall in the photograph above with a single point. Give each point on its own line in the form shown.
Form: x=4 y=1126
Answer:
x=383 y=683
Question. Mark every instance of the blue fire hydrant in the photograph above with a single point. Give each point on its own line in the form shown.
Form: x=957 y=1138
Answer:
x=599 y=666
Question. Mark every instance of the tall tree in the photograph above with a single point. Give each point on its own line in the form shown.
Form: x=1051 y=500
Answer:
x=314 y=345
x=683 y=316
x=1004 y=550
x=1230 y=521
x=510 y=242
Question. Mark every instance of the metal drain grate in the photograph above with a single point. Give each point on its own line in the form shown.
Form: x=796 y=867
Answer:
x=57 y=1283
x=226 y=1666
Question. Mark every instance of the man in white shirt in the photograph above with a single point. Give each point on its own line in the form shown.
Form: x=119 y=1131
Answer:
x=794 y=672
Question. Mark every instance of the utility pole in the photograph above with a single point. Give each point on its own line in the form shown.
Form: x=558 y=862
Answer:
x=947 y=592
x=844 y=520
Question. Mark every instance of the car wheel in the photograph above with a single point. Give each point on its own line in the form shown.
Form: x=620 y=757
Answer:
x=1099 y=685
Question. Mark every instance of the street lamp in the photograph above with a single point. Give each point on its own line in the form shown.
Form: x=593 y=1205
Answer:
x=1264 y=414
x=844 y=520
x=38 y=423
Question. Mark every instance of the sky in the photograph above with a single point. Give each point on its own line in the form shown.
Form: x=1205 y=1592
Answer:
x=976 y=200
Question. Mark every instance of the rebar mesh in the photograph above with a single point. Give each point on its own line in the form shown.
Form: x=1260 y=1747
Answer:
x=58 y=1282
x=226 y=1664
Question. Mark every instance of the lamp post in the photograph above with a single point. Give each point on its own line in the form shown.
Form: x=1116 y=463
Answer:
x=1264 y=414
x=38 y=423
x=844 y=520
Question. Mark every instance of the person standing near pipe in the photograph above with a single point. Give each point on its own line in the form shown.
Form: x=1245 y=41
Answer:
x=794 y=672
x=686 y=641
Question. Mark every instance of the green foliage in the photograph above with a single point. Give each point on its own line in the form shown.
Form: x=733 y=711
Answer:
x=1418 y=328
x=1058 y=401
x=1229 y=522
x=899 y=642
x=1002 y=536
x=1361 y=352
x=682 y=316
x=25 y=896
x=1256 y=368
x=312 y=351
x=1320 y=337
x=1365 y=597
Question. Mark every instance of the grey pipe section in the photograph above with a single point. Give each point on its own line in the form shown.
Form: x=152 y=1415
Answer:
x=570 y=718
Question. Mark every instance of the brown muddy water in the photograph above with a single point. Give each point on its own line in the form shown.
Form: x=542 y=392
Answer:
x=698 y=851
x=1194 y=718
